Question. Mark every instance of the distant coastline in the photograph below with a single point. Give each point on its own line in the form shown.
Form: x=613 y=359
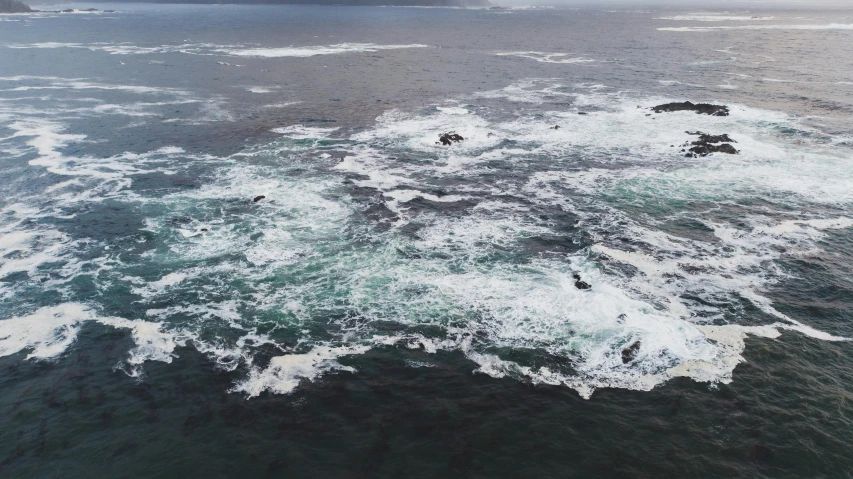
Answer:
x=373 y=3
x=13 y=6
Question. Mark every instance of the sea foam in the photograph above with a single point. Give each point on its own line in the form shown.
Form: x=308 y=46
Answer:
x=469 y=255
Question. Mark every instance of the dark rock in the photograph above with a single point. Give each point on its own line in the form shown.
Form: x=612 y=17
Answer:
x=707 y=144
x=13 y=6
x=204 y=229
x=621 y=318
x=258 y=198
x=583 y=113
x=704 y=137
x=707 y=149
x=579 y=284
x=701 y=108
x=448 y=139
x=556 y=127
x=629 y=353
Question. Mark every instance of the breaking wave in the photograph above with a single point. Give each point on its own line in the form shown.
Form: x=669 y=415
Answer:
x=224 y=50
x=831 y=26
x=544 y=57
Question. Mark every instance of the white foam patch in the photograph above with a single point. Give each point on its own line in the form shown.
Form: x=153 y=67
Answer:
x=283 y=104
x=452 y=110
x=467 y=275
x=47 y=138
x=805 y=228
x=49 y=331
x=112 y=48
x=86 y=85
x=529 y=91
x=290 y=221
x=48 y=258
x=125 y=48
x=310 y=51
x=715 y=18
x=284 y=373
x=768 y=163
x=152 y=343
x=421 y=133
x=541 y=308
x=545 y=57
x=160 y=286
x=831 y=26
x=27 y=251
x=398 y=197
x=302 y=132
x=729 y=341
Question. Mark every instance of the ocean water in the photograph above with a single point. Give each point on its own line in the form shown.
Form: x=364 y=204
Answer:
x=393 y=307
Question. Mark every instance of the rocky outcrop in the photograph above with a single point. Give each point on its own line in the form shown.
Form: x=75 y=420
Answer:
x=630 y=353
x=580 y=284
x=13 y=6
x=448 y=139
x=707 y=144
x=706 y=138
x=700 y=108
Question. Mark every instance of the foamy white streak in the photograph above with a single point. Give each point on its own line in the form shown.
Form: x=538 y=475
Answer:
x=310 y=51
x=284 y=373
x=301 y=132
x=715 y=18
x=49 y=331
x=831 y=26
x=545 y=57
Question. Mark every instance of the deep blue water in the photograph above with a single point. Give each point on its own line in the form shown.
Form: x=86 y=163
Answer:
x=231 y=245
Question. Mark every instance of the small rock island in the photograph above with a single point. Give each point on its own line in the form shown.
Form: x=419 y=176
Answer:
x=13 y=6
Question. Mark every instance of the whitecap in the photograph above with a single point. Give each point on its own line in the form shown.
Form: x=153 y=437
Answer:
x=284 y=373
x=831 y=26
x=49 y=331
x=310 y=51
x=302 y=132
x=545 y=57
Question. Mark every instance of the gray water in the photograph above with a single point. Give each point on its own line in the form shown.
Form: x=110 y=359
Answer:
x=393 y=306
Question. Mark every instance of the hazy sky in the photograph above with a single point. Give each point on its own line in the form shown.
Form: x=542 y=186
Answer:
x=710 y=4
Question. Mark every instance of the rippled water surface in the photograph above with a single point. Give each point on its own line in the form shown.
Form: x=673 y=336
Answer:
x=231 y=244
